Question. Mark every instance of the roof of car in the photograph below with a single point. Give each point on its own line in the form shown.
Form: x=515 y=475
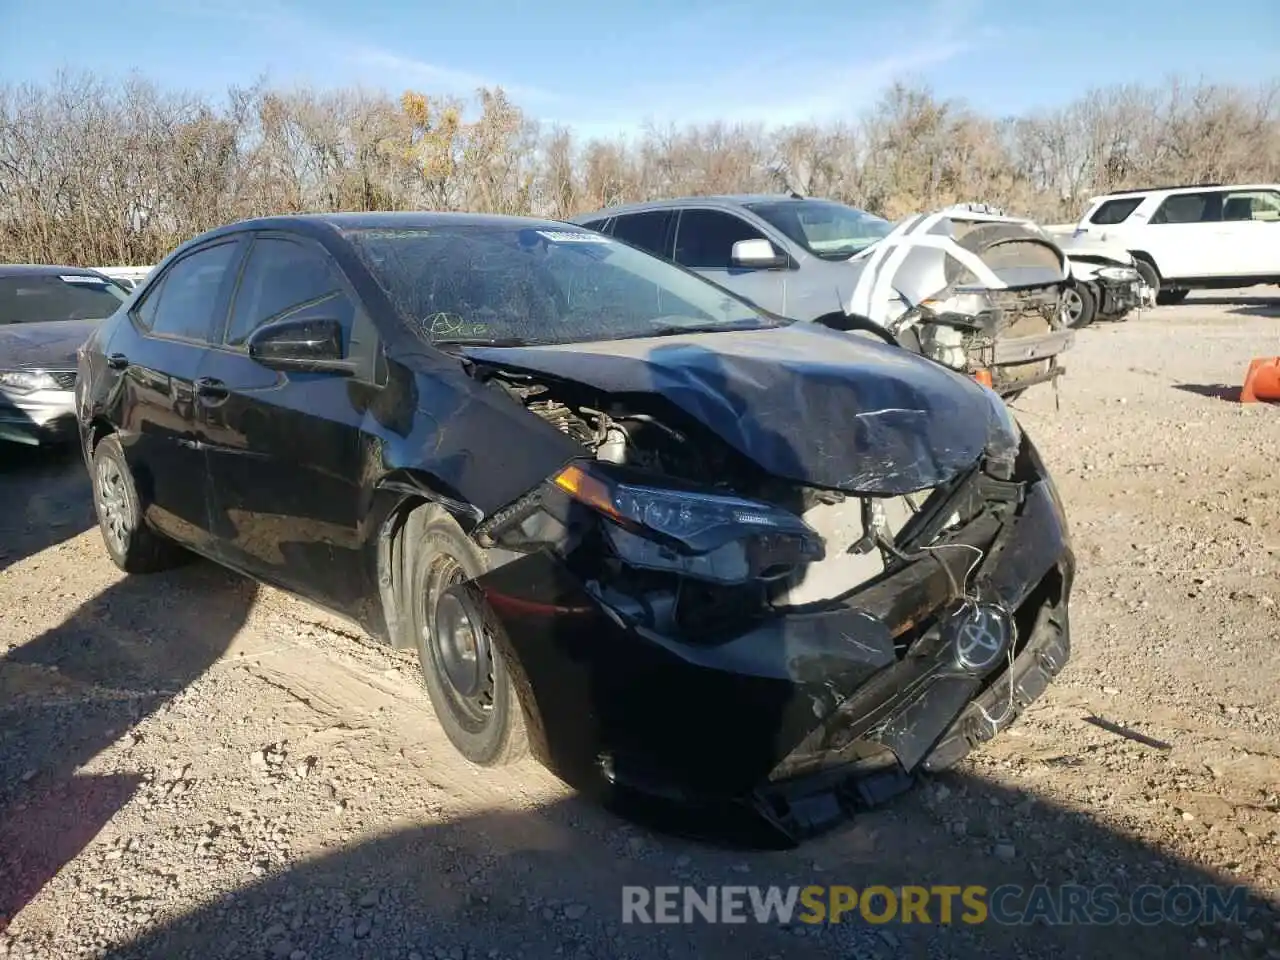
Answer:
x=316 y=224
x=1184 y=188
x=714 y=200
x=402 y=220
x=43 y=269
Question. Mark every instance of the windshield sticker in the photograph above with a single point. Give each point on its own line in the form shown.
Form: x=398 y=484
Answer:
x=558 y=236
x=80 y=278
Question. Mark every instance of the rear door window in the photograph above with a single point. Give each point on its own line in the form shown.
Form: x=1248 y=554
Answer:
x=1190 y=208
x=182 y=303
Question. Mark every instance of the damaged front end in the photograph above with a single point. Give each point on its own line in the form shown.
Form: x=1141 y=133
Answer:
x=689 y=623
x=1007 y=340
x=979 y=292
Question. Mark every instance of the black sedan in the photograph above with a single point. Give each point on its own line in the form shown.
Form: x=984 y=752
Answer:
x=680 y=548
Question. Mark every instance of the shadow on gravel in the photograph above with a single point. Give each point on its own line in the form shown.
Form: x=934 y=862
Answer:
x=548 y=883
x=73 y=691
x=1216 y=391
x=47 y=499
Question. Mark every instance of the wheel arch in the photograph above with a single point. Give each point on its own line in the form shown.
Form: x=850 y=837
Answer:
x=409 y=492
x=1148 y=259
x=99 y=428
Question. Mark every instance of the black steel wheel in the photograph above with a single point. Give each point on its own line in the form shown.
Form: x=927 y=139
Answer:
x=457 y=641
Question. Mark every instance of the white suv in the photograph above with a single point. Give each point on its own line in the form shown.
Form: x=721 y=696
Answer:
x=1193 y=237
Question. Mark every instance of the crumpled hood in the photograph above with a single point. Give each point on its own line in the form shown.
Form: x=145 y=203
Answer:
x=52 y=344
x=805 y=403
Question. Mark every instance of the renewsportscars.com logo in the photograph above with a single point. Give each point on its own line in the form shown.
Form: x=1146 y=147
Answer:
x=1064 y=904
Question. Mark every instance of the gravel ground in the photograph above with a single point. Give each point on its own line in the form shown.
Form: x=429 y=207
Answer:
x=195 y=766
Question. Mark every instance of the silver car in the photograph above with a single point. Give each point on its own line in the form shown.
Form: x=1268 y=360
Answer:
x=46 y=314
x=973 y=289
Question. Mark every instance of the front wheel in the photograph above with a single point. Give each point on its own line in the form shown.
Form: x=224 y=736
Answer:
x=1081 y=305
x=462 y=667
x=1148 y=274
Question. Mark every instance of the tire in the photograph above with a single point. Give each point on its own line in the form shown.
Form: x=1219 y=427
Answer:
x=133 y=546
x=1147 y=271
x=1081 y=304
x=469 y=684
x=1171 y=298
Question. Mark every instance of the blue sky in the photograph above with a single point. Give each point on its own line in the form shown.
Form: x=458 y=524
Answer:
x=603 y=67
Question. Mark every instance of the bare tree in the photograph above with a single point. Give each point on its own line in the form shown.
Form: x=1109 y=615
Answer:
x=96 y=172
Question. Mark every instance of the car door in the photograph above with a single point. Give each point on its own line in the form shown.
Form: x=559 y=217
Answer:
x=155 y=403
x=284 y=449
x=1250 y=230
x=1185 y=236
x=704 y=243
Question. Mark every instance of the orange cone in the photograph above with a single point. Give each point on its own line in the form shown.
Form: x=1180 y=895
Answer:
x=1262 y=381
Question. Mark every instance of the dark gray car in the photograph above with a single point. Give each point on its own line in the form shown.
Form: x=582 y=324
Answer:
x=46 y=314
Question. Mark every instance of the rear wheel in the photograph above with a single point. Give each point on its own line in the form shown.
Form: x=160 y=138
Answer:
x=1171 y=298
x=1081 y=305
x=462 y=667
x=132 y=545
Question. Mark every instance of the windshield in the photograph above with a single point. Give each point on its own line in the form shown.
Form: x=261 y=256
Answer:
x=40 y=297
x=826 y=229
x=474 y=283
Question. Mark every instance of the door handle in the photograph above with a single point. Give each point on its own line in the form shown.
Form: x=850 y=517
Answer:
x=117 y=361
x=210 y=391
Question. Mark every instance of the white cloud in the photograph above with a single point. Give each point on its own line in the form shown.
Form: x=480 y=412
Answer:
x=436 y=78
x=792 y=84
x=376 y=64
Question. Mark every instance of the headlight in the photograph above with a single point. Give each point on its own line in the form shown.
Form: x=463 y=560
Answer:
x=26 y=381
x=1118 y=274
x=702 y=535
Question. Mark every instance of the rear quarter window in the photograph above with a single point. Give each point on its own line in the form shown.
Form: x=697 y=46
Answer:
x=1115 y=211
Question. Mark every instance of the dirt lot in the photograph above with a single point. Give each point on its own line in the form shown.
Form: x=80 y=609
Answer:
x=191 y=765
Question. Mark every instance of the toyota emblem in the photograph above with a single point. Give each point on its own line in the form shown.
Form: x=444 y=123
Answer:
x=980 y=636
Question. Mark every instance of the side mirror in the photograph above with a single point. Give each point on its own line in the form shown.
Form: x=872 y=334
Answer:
x=757 y=254
x=311 y=346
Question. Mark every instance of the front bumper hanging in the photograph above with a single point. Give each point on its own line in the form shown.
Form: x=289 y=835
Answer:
x=802 y=717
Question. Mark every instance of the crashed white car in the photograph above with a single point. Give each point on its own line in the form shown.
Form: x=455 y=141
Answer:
x=971 y=288
x=1106 y=283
